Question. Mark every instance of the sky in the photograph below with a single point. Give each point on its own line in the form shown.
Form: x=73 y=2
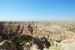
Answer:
x=37 y=10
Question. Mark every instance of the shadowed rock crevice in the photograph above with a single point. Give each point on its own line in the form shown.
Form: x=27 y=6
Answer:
x=41 y=43
x=27 y=36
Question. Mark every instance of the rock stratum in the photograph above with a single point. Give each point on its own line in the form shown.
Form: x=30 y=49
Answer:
x=49 y=31
x=35 y=35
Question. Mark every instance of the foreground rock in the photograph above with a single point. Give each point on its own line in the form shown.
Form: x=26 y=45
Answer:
x=69 y=45
x=7 y=45
x=37 y=44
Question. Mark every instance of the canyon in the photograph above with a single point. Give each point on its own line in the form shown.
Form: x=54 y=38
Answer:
x=57 y=32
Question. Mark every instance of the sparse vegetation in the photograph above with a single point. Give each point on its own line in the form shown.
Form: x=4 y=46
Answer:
x=72 y=28
x=57 y=48
x=19 y=34
x=19 y=41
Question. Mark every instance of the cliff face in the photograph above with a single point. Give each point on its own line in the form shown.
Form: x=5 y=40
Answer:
x=50 y=31
x=34 y=36
x=18 y=28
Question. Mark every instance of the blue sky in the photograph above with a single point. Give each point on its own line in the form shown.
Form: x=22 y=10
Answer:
x=37 y=10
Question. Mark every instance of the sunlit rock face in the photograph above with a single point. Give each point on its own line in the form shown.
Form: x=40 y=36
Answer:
x=7 y=45
x=68 y=44
x=22 y=29
x=52 y=32
x=34 y=47
x=49 y=31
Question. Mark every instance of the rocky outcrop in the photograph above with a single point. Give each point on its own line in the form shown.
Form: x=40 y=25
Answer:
x=42 y=35
x=7 y=45
x=42 y=43
x=53 y=31
x=38 y=44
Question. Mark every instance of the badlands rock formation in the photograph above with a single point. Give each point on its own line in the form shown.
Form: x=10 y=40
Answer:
x=49 y=31
x=37 y=44
x=7 y=45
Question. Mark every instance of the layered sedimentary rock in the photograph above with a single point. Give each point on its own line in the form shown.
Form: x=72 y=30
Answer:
x=49 y=31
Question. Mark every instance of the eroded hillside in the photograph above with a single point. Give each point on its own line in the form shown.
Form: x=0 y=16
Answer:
x=48 y=30
x=36 y=35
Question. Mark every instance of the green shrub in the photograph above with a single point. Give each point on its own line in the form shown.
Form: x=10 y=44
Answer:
x=19 y=41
